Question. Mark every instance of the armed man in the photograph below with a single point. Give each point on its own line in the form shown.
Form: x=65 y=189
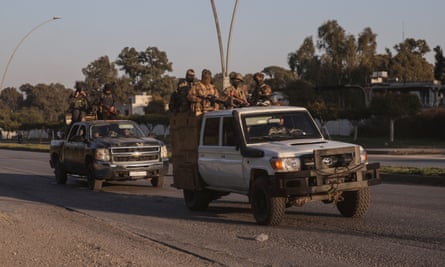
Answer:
x=178 y=99
x=262 y=93
x=107 y=104
x=235 y=95
x=204 y=96
x=79 y=104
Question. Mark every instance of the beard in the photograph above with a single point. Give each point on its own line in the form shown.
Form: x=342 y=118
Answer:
x=206 y=80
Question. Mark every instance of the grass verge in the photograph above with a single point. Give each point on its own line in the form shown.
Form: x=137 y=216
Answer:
x=412 y=171
x=29 y=147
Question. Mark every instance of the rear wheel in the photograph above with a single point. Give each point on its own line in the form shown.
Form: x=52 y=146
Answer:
x=355 y=204
x=93 y=183
x=267 y=210
x=157 y=181
x=197 y=200
x=60 y=173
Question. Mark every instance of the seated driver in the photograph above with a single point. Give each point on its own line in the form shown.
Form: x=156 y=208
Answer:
x=279 y=129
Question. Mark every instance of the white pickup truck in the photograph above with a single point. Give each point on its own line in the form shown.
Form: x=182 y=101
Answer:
x=275 y=155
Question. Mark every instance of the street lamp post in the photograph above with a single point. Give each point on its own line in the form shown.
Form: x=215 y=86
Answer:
x=21 y=41
x=224 y=65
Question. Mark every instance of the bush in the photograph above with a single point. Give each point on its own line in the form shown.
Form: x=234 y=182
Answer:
x=429 y=124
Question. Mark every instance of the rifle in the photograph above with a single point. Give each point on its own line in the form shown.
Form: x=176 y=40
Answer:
x=237 y=102
x=212 y=99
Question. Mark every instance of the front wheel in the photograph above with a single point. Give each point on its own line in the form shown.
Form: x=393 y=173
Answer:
x=197 y=200
x=355 y=204
x=93 y=183
x=267 y=210
x=157 y=181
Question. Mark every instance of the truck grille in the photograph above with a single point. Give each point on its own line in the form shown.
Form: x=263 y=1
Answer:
x=345 y=157
x=135 y=154
x=327 y=161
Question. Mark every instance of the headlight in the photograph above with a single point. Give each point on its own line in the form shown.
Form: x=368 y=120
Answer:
x=285 y=164
x=103 y=154
x=164 y=152
x=363 y=155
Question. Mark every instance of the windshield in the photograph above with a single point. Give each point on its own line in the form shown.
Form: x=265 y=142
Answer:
x=116 y=129
x=279 y=126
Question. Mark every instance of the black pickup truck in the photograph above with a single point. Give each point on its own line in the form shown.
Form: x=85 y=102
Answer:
x=106 y=151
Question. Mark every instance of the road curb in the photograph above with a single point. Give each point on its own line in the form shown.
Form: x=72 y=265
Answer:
x=413 y=179
x=405 y=151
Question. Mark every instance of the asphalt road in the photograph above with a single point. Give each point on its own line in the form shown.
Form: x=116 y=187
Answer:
x=404 y=226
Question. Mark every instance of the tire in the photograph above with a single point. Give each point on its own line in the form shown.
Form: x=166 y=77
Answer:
x=157 y=181
x=197 y=200
x=355 y=204
x=60 y=173
x=93 y=183
x=267 y=210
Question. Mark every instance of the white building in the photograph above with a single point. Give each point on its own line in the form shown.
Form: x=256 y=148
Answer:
x=135 y=104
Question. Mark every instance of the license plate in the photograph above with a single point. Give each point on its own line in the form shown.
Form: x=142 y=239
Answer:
x=138 y=173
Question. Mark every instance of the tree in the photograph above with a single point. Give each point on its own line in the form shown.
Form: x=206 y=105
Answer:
x=11 y=99
x=366 y=55
x=145 y=68
x=50 y=101
x=304 y=62
x=122 y=89
x=350 y=61
x=300 y=93
x=98 y=73
x=164 y=87
x=278 y=77
x=439 y=66
x=409 y=64
x=102 y=71
x=332 y=40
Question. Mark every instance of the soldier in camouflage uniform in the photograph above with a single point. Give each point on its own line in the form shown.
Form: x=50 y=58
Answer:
x=178 y=99
x=235 y=95
x=262 y=93
x=78 y=103
x=203 y=95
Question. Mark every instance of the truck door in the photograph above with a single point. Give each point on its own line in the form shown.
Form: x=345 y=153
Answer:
x=68 y=148
x=220 y=160
x=74 y=149
x=79 y=149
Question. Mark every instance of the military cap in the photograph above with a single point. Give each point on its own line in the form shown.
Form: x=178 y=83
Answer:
x=190 y=72
x=236 y=76
x=206 y=71
x=258 y=74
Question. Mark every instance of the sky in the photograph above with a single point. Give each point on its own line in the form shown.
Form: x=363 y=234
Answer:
x=264 y=32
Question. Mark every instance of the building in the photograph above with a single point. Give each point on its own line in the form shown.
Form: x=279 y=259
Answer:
x=135 y=105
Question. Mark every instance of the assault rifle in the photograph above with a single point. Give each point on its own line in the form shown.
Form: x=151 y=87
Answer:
x=213 y=99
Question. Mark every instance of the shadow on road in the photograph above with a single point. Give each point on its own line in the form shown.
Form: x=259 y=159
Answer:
x=144 y=200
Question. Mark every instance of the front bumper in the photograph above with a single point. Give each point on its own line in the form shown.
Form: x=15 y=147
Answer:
x=110 y=171
x=311 y=182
